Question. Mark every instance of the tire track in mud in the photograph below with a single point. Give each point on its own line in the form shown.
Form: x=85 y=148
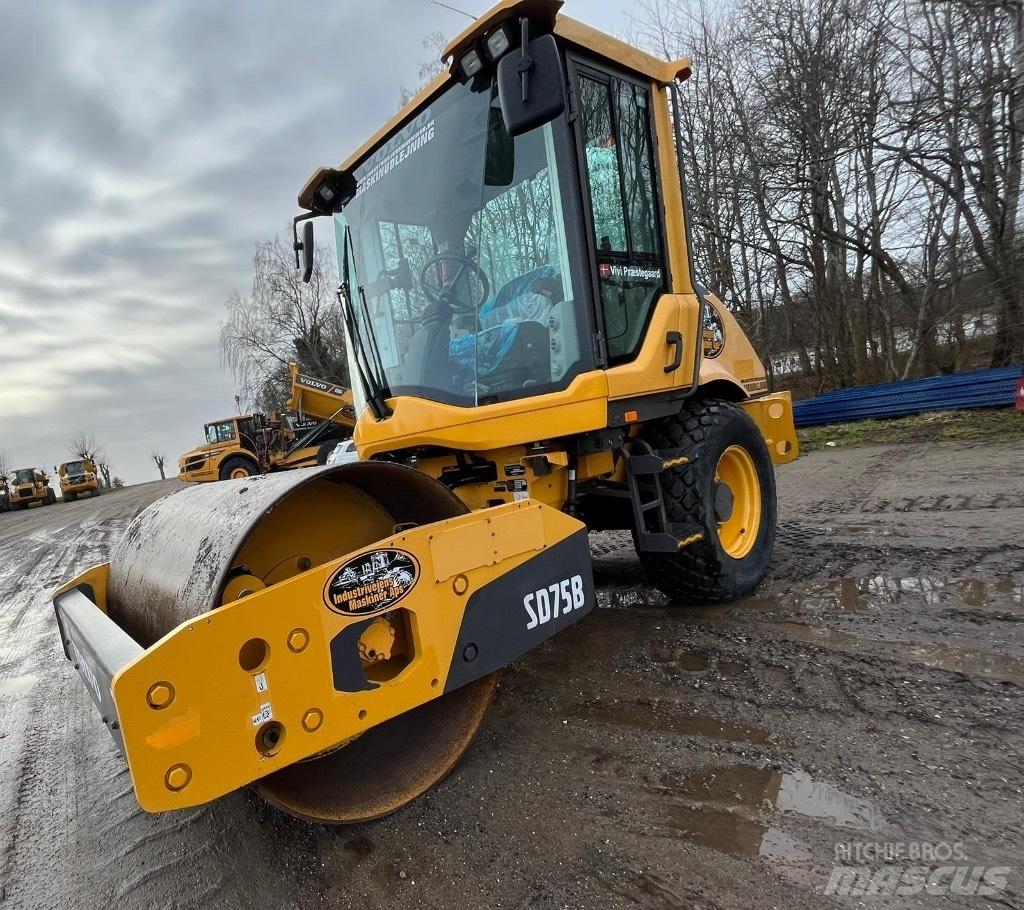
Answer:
x=71 y=792
x=54 y=764
x=74 y=798
x=32 y=647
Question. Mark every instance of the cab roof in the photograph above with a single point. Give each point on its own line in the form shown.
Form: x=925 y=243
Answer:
x=578 y=34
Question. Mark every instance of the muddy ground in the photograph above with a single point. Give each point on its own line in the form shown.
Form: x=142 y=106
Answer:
x=653 y=756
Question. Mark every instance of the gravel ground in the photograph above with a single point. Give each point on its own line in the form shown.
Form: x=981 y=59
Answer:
x=653 y=755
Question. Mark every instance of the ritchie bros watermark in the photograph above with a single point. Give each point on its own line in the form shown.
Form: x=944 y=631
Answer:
x=907 y=868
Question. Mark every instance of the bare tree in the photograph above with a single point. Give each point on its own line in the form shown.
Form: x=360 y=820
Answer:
x=431 y=66
x=159 y=459
x=854 y=175
x=5 y=464
x=85 y=444
x=282 y=320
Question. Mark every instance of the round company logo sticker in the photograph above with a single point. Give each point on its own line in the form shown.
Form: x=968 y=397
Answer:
x=714 y=332
x=371 y=582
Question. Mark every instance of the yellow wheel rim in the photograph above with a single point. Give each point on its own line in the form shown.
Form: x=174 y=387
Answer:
x=738 y=532
x=239 y=473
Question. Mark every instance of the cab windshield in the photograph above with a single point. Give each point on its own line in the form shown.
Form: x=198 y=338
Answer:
x=74 y=467
x=460 y=279
x=220 y=432
x=26 y=475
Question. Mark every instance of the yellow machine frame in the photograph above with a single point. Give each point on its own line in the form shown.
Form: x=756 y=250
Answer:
x=191 y=737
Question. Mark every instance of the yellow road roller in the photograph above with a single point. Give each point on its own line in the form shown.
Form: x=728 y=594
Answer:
x=532 y=359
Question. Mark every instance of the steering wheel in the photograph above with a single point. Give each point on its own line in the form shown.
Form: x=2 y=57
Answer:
x=436 y=291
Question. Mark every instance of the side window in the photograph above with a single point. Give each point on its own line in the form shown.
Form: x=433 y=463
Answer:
x=619 y=161
x=220 y=432
x=604 y=170
x=637 y=158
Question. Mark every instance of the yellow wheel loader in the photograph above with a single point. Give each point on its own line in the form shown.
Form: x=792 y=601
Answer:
x=321 y=414
x=78 y=477
x=28 y=486
x=532 y=358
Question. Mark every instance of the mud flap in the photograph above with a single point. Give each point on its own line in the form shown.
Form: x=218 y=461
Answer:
x=522 y=608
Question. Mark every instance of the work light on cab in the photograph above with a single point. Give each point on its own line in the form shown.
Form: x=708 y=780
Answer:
x=498 y=42
x=471 y=63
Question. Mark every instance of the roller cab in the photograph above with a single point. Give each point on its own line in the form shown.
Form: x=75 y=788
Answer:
x=341 y=657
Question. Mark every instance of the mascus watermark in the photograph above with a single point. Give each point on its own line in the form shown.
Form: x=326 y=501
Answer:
x=910 y=868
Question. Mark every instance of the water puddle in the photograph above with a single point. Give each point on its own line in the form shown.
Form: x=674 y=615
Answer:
x=692 y=661
x=625 y=597
x=663 y=719
x=939 y=657
x=730 y=832
x=17 y=685
x=871 y=592
x=933 y=591
x=839 y=595
x=727 y=809
x=853 y=594
x=732 y=668
x=684 y=662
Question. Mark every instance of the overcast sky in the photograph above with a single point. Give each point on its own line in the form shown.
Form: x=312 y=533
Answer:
x=144 y=149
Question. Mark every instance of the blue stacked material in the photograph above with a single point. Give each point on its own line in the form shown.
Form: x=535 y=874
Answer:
x=976 y=389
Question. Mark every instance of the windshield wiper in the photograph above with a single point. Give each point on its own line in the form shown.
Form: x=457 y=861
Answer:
x=371 y=371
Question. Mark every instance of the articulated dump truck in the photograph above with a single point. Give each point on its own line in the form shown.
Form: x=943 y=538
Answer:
x=532 y=357
x=28 y=486
x=320 y=415
x=78 y=477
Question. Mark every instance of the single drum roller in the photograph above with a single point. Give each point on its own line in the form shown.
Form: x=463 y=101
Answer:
x=330 y=635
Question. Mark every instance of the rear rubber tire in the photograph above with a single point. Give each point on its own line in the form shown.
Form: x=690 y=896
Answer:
x=324 y=452
x=703 y=572
x=70 y=497
x=234 y=465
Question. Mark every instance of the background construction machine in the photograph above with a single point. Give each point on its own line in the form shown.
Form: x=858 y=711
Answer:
x=5 y=496
x=320 y=415
x=533 y=359
x=78 y=477
x=28 y=486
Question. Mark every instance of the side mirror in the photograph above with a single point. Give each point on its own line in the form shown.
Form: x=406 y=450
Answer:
x=307 y=251
x=531 y=85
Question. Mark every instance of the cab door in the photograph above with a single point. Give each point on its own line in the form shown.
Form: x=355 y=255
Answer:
x=641 y=320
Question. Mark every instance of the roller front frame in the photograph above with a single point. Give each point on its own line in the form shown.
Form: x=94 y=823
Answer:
x=262 y=682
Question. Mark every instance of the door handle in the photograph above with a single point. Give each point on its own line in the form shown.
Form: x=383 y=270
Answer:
x=676 y=340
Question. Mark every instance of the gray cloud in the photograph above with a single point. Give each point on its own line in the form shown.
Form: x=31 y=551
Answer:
x=144 y=150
